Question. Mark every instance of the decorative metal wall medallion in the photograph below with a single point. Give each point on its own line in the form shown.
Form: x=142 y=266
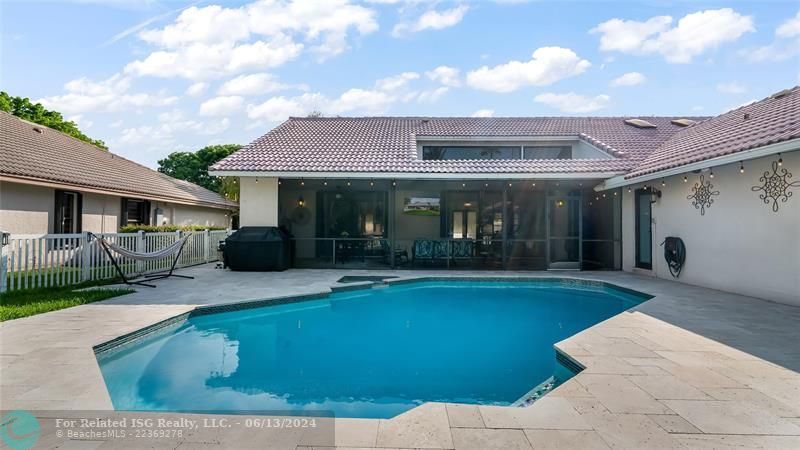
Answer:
x=702 y=195
x=776 y=186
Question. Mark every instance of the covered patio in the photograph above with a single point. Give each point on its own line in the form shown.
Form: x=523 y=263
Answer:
x=468 y=223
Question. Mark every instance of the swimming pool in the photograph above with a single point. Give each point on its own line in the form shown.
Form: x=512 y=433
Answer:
x=365 y=353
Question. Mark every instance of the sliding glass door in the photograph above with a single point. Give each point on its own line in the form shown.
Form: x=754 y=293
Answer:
x=564 y=231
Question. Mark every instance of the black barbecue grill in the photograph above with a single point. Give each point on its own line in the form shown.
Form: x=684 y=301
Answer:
x=261 y=249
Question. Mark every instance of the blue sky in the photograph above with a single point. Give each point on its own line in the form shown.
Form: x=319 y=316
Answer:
x=151 y=77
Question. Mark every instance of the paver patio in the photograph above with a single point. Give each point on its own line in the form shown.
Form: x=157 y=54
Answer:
x=691 y=368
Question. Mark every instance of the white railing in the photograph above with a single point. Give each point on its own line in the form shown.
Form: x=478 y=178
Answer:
x=31 y=261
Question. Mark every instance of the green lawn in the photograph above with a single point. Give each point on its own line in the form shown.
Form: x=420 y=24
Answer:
x=28 y=302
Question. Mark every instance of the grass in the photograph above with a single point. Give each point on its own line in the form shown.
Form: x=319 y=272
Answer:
x=29 y=302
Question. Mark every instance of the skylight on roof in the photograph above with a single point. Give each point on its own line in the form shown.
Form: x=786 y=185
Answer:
x=683 y=122
x=639 y=123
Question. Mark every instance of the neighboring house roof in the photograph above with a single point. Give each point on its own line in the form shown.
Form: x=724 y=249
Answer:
x=50 y=156
x=772 y=120
x=389 y=144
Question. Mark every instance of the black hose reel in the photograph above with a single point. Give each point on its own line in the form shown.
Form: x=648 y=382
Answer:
x=675 y=254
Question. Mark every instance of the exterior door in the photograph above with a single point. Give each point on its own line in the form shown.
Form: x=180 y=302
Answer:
x=644 y=230
x=564 y=232
x=67 y=212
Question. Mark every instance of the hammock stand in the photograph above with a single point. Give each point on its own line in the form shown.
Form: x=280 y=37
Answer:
x=175 y=248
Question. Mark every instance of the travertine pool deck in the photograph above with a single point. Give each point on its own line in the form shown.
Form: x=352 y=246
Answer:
x=691 y=368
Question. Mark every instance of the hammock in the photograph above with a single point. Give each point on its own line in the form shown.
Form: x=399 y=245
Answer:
x=153 y=256
x=173 y=249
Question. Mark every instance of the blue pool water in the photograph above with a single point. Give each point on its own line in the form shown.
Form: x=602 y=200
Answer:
x=368 y=353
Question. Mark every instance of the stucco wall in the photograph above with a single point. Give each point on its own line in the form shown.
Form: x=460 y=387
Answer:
x=100 y=213
x=258 y=201
x=26 y=209
x=739 y=245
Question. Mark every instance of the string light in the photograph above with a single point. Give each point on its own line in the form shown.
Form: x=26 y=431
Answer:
x=711 y=173
x=780 y=159
x=463 y=184
x=394 y=182
x=629 y=189
x=325 y=182
x=604 y=195
x=741 y=167
x=302 y=183
x=685 y=179
x=509 y=184
x=371 y=183
x=615 y=193
x=663 y=183
x=348 y=182
x=533 y=184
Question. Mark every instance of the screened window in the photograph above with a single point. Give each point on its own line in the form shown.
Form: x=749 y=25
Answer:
x=135 y=212
x=441 y=153
x=548 y=152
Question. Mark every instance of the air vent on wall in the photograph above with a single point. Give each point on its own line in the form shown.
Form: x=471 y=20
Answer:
x=639 y=123
x=683 y=122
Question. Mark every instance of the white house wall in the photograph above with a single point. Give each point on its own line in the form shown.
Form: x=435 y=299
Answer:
x=739 y=245
x=26 y=209
x=258 y=201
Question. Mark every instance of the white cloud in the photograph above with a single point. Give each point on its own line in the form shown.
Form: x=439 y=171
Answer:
x=254 y=84
x=82 y=122
x=734 y=87
x=573 y=103
x=196 y=89
x=628 y=79
x=432 y=20
x=786 y=44
x=110 y=95
x=221 y=106
x=789 y=28
x=396 y=82
x=214 y=41
x=202 y=61
x=698 y=108
x=432 y=95
x=166 y=135
x=483 y=113
x=448 y=76
x=365 y=101
x=359 y=101
x=547 y=65
x=694 y=34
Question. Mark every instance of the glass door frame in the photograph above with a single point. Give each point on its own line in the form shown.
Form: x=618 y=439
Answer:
x=638 y=195
x=551 y=199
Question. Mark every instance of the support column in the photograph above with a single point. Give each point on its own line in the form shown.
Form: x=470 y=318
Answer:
x=258 y=201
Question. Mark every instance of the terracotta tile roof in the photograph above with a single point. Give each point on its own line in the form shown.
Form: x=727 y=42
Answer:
x=388 y=144
x=52 y=156
x=772 y=120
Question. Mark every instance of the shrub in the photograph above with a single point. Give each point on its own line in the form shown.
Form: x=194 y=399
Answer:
x=165 y=228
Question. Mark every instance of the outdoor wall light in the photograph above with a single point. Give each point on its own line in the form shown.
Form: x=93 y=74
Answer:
x=301 y=202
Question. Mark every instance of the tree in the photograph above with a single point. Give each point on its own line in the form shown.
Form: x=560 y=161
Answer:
x=193 y=167
x=36 y=113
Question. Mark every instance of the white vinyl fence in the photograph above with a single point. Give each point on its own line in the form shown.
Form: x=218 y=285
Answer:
x=30 y=261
